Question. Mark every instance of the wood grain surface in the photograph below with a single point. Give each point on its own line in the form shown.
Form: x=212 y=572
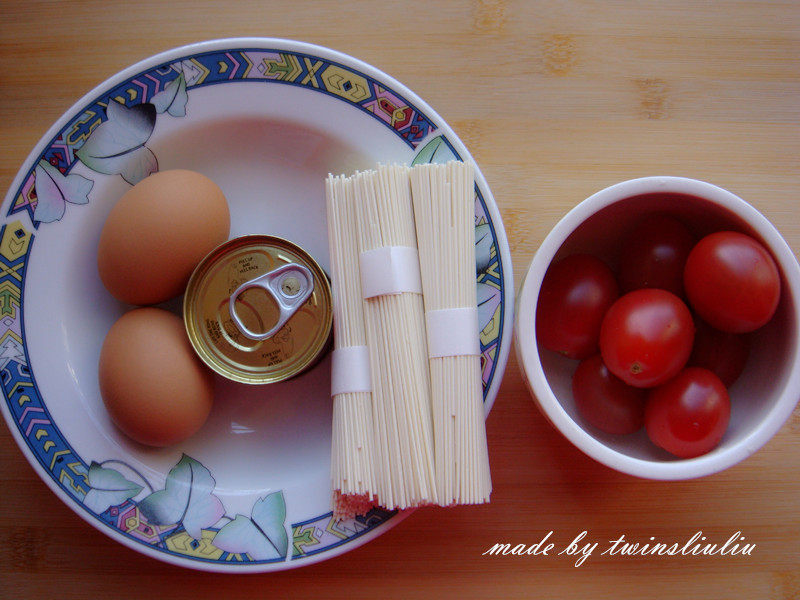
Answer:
x=555 y=100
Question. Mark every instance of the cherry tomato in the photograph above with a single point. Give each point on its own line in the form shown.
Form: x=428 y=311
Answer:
x=575 y=294
x=732 y=282
x=653 y=255
x=724 y=354
x=606 y=401
x=646 y=337
x=688 y=415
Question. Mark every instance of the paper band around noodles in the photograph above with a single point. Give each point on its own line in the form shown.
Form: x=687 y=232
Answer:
x=452 y=332
x=390 y=270
x=350 y=371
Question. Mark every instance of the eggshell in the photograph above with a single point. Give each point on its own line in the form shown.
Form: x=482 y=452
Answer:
x=158 y=232
x=153 y=385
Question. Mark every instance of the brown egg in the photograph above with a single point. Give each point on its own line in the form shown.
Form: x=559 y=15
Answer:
x=158 y=232
x=153 y=384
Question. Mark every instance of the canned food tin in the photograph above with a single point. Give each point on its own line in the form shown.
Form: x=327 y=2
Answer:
x=245 y=312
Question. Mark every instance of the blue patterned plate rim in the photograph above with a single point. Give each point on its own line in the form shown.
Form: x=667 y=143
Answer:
x=102 y=493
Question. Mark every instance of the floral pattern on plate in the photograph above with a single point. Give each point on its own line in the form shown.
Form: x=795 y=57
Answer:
x=110 y=136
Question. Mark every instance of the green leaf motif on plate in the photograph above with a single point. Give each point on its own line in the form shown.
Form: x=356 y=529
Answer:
x=117 y=146
x=483 y=247
x=263 y=536
x=54 y=190
x=434 y=151
x=488 y=301
x=108 y=488
x=173 y=98
x=186 y=499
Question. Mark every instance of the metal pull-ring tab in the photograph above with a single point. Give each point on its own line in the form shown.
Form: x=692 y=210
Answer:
x=290 y=285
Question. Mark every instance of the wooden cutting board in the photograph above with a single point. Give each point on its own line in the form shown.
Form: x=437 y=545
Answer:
x=555 y=100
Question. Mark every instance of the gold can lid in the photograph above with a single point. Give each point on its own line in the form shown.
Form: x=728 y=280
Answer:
x=232 y=349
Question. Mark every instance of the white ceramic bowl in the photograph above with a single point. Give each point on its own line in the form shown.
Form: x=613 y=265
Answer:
x=267 y=120
x=764 y=395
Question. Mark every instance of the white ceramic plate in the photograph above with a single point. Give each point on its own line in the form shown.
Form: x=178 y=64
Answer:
x=267 y=120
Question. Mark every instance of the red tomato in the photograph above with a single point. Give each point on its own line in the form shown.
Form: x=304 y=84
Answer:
x=606 y=401
x=575 y=294
x=724 y=354
x=653 y=255
x=688 y=415
x=646 y=337
x=732 y=282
